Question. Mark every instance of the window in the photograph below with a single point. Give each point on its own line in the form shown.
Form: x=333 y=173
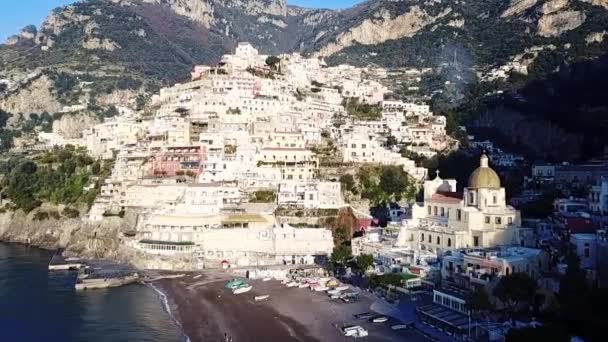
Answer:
x=438 y=240
x=487 y=219
x=498 y=220
x=429 y=207
x=429 y=238
x=353 y=145
x=458 y=214
x=422 y=237
x=442 y=211
x=494 y=199
x=476 y=241
x=471 y=197
x=435 y=211
x=449 y=242
x=586 y=252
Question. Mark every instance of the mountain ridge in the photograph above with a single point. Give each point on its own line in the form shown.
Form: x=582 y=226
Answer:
x=124 y=49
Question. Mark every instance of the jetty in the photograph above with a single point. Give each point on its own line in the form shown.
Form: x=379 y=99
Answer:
x=60 y=263
x=102 y=283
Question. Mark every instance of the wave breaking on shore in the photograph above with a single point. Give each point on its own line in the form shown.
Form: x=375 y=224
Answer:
x=167 y=307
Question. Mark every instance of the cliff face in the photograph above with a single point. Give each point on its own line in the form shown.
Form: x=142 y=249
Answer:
x=91 y=241
x=34 y=97
x=71 y=125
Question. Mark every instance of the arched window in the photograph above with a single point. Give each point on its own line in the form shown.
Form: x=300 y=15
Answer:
x=438 y=240
x=429 y=238
x=494 y=199
x=422 y=237
x=449 y=242
x=471 y=197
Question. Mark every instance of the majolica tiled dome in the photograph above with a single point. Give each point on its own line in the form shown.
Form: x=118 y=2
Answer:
x=484 y=176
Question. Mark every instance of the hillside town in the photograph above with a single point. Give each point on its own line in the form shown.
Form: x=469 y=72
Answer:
x=249 y=166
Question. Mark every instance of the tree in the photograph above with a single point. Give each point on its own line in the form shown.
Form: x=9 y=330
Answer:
x=478 y=301
x=391 y=141
x=364 y=262
x=348 y=182
x=533 y=334
x=140 y=102
x=341 y=235
x=515 y=289
x=111 y=112
x=273 y=61
x=95 y=168
x=341 y=254
x=396 y=183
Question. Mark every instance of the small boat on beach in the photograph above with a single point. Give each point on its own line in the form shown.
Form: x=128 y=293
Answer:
x=234 y=284
x=342 y=288
x=292 y=284
x=333 y=292
x=303 y=285
x=320 y=288
x=242 y=289
x=379 y=319
x=332 y=283
x=267 y=279
x=197 y=276
x=260 y=298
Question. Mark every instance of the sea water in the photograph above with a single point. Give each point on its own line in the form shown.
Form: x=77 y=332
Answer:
x=38 y=305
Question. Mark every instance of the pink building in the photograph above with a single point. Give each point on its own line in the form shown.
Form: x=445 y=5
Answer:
x=170 y=161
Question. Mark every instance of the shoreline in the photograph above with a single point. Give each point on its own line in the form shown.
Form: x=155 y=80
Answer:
x=164 y=299
x=207 y=311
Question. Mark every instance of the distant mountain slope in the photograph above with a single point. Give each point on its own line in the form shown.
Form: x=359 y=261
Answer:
x=111 y=51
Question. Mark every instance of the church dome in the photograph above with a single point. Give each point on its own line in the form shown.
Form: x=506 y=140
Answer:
x=484 y=176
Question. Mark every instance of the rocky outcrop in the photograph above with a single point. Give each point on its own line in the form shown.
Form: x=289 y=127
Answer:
x=125 y=98
x=553 y=6
x=100 y=43
x=200 y=11
x=382 y=27
x=596 y=37
x=275 y=22
x=71 y=125
x=553 y=25
x=78 y=238
x=34 y=97
x=517 y=7
x=602 y=3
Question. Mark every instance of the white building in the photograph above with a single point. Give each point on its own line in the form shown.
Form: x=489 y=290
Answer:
x=478 y=217
x=310 y=195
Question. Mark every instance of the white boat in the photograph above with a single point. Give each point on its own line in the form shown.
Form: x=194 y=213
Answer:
x=380 y=319
x=197 y=276
x=292 y=284
x=354 y=331
x=399 y=327
x=267 y=279
x=335 y=297
x=321 y=288
x=285 y=281
x=333 y=292
x=342 y=288
x=303 y=285
x=242 y=289
x=261 y=298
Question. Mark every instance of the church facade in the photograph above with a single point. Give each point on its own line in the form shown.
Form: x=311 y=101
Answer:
x=477 y=217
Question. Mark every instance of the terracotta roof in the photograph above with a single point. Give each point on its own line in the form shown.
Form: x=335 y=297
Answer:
x=448 y=197
x=579 y=225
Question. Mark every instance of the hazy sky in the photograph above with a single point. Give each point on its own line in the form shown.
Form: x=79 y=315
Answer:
x=15 y=14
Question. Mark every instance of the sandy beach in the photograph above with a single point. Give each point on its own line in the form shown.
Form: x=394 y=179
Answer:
x=207 y=311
